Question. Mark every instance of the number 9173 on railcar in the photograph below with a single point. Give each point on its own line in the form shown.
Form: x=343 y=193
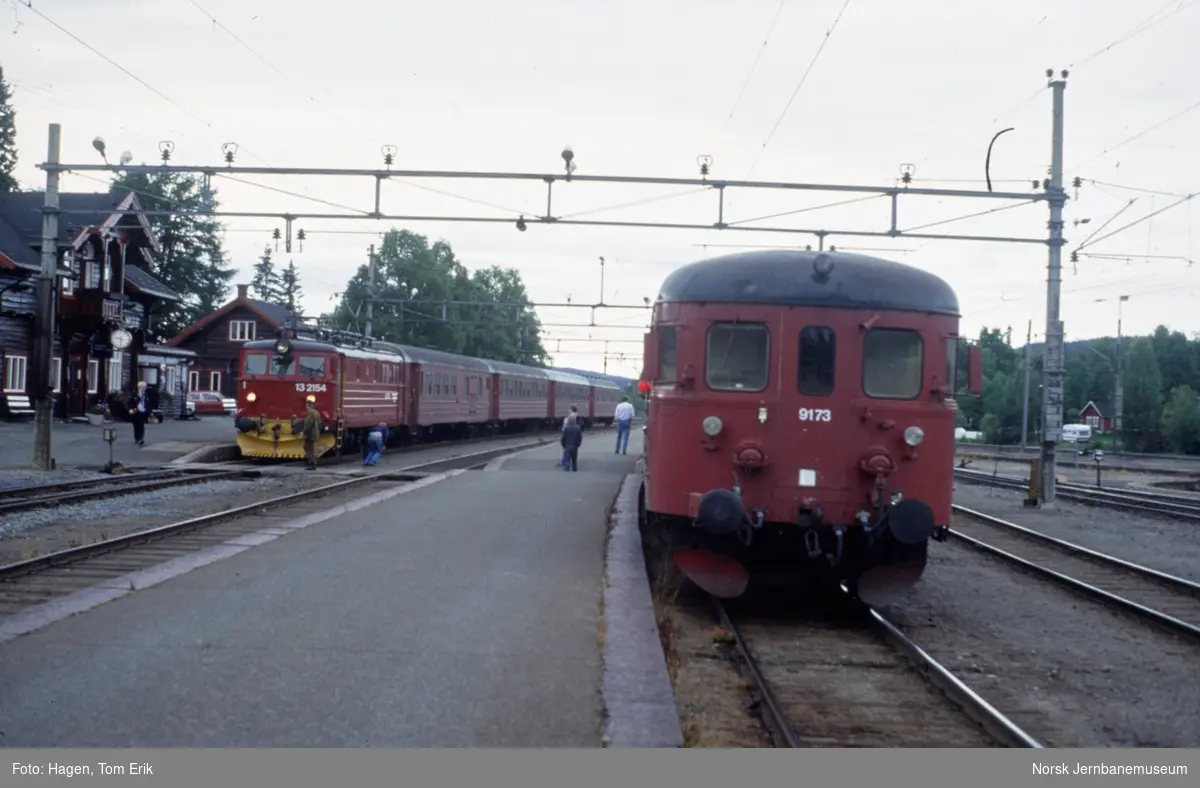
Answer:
x=800 y=422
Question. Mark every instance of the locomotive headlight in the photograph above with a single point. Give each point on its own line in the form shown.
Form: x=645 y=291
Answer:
x=251 y=397
x=712 y=426
x=310 y=398
x=913 y=436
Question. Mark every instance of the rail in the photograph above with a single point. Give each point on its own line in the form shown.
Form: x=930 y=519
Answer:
x=994 y=723
x=1180 y=594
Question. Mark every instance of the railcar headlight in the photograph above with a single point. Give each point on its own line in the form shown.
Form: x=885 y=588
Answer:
x=913 y=436
x=251 y=397
x=712 y=426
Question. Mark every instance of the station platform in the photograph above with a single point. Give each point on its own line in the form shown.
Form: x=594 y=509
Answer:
x=81 y=445
x=463 y=613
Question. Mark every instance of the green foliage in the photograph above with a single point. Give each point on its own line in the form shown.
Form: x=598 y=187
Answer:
x=1158 y=368
x=423 y=288
x=8 y=138
x=1143 y=395
x=266 y=283
x=1181 y=421
x=192 y=261
x=289 y=286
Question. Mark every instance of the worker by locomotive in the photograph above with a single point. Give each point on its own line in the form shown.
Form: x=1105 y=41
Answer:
x=312 y=433
x=375 y=440
x=623 y=415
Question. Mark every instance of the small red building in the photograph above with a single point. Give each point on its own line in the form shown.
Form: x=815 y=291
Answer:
x=1098 y=416
x=217 y=340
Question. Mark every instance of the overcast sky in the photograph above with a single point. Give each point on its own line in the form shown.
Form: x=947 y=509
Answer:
x=643 y=88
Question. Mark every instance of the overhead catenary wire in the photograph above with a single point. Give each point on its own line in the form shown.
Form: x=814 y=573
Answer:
x=1190 y=108
x=337 y=115
x=29 y=5
x=799 y=85
x=1141 y=27
x=754 y=66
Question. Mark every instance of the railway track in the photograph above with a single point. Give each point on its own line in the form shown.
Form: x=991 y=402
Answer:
x=45 y=578
x=823 y=685
x=41 y=496
x=1166 y=600
x=1178 y=506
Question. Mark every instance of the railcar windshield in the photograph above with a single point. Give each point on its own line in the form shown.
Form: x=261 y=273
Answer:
x=291 y=366
x=892 y=363
x=738 y=357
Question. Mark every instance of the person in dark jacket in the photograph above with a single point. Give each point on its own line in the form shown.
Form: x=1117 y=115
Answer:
x=572 y=439
x=139 y=411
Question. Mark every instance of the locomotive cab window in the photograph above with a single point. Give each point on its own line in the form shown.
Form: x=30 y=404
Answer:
x=892 y=363
x=311 y=366
x=283 y=365
x=738 y=357
x=817 y=352
x=256 y=364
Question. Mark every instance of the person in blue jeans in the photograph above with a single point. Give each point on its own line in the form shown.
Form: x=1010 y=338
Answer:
x=623 y=416
x=374 y=444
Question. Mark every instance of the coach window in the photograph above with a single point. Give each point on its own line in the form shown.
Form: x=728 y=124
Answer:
x=892 y=362
x=256 y=364
x=817 y=353
x=737 y=357
x=666 y=354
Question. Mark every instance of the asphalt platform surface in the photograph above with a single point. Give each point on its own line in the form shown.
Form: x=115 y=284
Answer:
x=80 y=444
x=462 y=614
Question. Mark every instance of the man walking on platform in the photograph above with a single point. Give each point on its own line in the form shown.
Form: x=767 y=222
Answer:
x=623 y=415
x=139 y=411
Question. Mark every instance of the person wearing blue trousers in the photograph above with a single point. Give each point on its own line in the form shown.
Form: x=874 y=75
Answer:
x=572 y=418
x=623 y=416
x=375 y=440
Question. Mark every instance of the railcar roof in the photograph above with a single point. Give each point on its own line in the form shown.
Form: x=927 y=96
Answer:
x=423 y=355
x=790 y=277
x=520 y=369
x=300 y=345
x=601 y=383
x=567 y=377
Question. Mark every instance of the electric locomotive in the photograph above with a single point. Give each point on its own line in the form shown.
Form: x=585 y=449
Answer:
x=800 y=420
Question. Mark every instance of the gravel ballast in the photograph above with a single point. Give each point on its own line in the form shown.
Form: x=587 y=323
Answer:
x=1155 y=541
x=1071 y=671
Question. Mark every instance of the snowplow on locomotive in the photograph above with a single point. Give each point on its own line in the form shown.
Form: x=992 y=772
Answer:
x=800 y=420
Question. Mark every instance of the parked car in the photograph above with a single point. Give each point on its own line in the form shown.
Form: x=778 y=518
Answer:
x=211 y=403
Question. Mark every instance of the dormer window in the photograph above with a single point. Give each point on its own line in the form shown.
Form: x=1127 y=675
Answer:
x=241 y=330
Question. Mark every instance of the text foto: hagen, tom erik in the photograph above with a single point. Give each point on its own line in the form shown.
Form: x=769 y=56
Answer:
x=82 y=770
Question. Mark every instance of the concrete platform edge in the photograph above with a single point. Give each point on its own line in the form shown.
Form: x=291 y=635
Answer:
x=639 y=701
x=39 y=616
x=215 y=453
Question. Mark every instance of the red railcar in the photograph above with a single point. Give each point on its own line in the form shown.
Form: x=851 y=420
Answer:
x=452 y=393
x=566 y=390
x=801 y=419
x=521 y=396
x=603 y=397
